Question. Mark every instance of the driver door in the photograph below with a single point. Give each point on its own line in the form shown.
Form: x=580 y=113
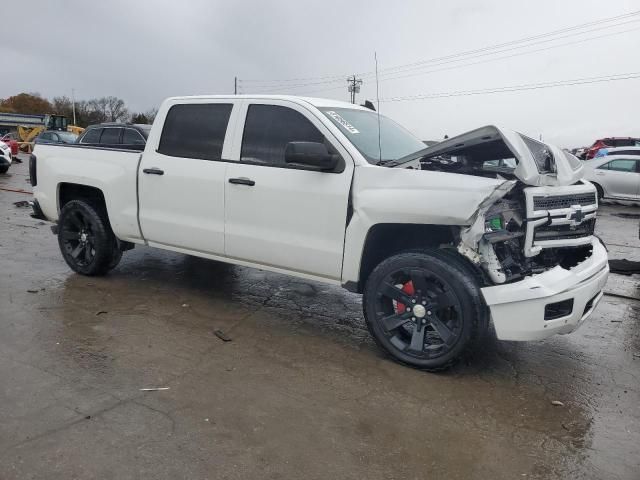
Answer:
x=278 y=215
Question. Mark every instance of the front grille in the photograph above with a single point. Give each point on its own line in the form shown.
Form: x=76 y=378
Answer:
x=561 y=232
x=563 y=201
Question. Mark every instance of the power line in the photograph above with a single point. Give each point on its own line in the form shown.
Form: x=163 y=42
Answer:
x=308 y=81
x=516 y=88
x=517 y=54
x=517 y=47
x=459 y=65
x=518 y=41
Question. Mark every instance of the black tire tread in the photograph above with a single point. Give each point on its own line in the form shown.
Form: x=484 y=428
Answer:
x=470 y=281
x=107 y=250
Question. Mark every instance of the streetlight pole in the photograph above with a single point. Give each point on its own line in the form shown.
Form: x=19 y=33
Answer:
x=73 y=105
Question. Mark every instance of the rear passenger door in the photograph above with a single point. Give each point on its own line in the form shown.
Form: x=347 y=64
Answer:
x=182 y=178
x=283 y=216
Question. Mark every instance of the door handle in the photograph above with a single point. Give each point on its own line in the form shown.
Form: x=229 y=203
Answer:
x=242 y=181
x=153 y=171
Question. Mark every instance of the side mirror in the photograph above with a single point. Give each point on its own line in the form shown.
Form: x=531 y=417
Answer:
x=311 y=154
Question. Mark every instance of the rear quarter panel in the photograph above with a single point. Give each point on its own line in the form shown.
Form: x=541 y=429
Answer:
x=114 y=172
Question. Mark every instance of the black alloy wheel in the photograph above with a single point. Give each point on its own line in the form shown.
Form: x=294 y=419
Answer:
x=85 y=238
x=424 y=311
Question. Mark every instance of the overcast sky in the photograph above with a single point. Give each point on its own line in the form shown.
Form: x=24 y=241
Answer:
x=144 y=51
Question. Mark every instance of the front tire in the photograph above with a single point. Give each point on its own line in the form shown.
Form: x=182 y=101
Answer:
x=4 y=169
x=85 y=238
x=423 y=310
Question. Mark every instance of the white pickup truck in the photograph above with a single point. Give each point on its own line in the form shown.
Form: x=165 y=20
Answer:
x=490 y=225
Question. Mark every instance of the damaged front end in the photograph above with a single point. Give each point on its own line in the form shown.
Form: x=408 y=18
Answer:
x=541 y=216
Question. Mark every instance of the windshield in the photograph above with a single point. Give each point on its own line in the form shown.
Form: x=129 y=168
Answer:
x=361 y=128
x=67 y=137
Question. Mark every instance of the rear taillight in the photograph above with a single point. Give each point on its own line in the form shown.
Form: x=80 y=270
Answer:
x=32 y=170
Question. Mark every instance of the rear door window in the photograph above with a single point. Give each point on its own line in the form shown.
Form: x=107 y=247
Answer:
x=195 y=130
x=92 y=136
x=110 y=136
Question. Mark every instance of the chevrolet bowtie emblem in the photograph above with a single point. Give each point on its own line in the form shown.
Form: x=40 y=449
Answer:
x=576 y=215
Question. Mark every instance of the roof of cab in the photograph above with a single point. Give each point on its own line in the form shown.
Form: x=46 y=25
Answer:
x=316 y=102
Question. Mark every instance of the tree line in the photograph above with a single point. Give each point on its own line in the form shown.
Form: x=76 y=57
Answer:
x=88 y=112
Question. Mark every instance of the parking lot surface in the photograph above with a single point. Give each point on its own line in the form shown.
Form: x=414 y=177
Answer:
x=300 y=390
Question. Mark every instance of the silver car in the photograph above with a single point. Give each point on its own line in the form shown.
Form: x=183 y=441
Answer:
x=615 y=176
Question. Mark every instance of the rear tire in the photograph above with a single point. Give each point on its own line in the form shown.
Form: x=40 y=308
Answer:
x=446 y=316
x=86 y=240
x=4 y=169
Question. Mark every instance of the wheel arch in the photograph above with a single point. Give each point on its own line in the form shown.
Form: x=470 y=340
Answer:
x=94 y=196
x=600 y=191
x=386 y=239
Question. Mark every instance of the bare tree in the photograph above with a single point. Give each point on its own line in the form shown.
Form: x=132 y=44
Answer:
x=117 y=111
x=151 y=114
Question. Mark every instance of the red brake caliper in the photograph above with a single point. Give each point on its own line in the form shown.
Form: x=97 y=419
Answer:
x=409 y=290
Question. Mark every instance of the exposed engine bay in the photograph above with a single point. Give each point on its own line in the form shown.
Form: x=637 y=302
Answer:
x=491 y=159
x=505 y=236
x=529 y=225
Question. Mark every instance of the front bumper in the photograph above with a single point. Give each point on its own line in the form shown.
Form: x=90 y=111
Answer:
x=518 y=309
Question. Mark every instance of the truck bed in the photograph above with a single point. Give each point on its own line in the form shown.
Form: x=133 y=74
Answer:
x=112 y=171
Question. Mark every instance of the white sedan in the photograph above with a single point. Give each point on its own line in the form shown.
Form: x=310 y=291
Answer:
x=5 y=157
x=615 y=176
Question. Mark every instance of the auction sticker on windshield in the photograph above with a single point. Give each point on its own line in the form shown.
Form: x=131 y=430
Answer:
x=350 y=128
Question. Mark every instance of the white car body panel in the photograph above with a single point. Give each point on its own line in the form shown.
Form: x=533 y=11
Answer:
x=114 y=172
x=312 y=224
x=517 y=309
x=291 y=218
x=569 y=168
x=615 y=184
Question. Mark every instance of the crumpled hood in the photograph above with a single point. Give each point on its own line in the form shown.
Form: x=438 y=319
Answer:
x=565 y=169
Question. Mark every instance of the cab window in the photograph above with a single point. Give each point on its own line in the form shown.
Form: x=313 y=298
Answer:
x=269 y=128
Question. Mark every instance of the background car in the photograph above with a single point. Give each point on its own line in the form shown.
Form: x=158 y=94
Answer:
x=611 y=142
x=608 y=151
x=5 y=157
x=55 y=136
x=615 y=176
x=116 y=135
x=11 y=139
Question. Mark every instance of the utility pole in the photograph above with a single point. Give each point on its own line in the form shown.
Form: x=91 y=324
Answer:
x=235 y=85
x=73 y=105
x=353 y=87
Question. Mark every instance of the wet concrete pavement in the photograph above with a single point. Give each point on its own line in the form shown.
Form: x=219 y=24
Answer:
x=301 y=391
